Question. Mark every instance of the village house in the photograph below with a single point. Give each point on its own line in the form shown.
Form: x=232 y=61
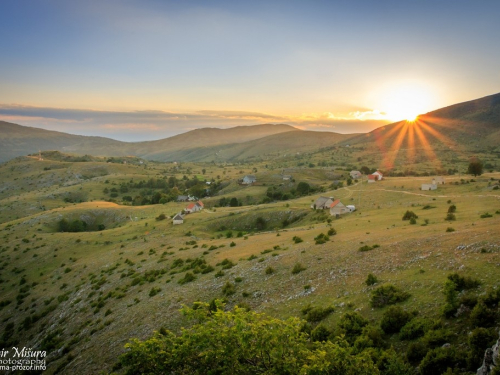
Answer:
x=337 y=208
x=378 y=174
x=322 y=203
x=355 y=174
x=194 y=207
x=248 y=179
x=287 y=177
x=439 y=180
x=182 y=198
x=372 y=178
x=178 y=219
x=429 y=187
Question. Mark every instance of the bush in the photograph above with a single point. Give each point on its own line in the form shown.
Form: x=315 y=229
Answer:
x=298 y=268
x=482 y=316
x=241 y=342
x=228 y=289
x=269 y=270
x=450 y=217
x=161 y=217
x=409 y=215
x=371 y=279
x=452 y=209
x=320 y=333
x=351 y=325
x=479 y=340
x=394 y=319
x=332 y=232
x=321 y=238
x=188 y=277
x=297 y=239
x=438 y=360
x=388 y=295
x=317 y=314
x=450 y=229
x=415 y=328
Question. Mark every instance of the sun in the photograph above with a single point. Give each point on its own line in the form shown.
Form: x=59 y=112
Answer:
x=406 y=101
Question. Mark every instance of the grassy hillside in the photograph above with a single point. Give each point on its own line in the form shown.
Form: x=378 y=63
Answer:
x=83 y=295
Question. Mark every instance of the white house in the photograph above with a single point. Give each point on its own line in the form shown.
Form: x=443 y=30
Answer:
x=337 y=208
x=355 y=174
x=248 y=179
x=194 y=207
x=287 y=177
x=378 y=174
x=439 y=180
x=429 y=187
x=322 y=203
x=178 y=219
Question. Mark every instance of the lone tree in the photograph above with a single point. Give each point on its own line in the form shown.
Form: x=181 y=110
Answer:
x=475 y=167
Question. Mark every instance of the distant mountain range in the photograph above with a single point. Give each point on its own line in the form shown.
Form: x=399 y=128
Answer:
x=470 y=125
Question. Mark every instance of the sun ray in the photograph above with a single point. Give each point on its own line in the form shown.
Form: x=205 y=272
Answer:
x=427 y=148
x=390 y=157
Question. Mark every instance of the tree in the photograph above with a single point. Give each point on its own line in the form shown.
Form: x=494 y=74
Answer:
x=241 y=342
x=475 y=167
x=303 y=188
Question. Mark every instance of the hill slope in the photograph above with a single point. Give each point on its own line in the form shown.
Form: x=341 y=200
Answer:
x=471 y=125
x=17 y=140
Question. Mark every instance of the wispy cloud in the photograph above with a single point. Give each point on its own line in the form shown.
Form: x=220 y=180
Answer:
x=153 y=124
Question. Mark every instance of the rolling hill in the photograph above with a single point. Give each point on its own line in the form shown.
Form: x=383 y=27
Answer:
x=471 y=125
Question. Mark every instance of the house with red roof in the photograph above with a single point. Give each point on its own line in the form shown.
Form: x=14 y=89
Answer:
x=337 y=208
x=372 y=178
x=194 y=207
x=378 y=174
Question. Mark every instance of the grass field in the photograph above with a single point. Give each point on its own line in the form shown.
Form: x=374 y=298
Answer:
x=88 y=293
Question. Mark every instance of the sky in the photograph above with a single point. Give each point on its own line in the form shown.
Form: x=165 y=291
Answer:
x=138 y=70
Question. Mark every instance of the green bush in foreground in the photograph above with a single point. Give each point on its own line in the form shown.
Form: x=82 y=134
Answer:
x=241 y=342
x=388 y=295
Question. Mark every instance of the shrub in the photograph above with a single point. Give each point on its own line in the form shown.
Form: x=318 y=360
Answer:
x=320 y=333
x=415 y=328
x=232 y=244
x=450 y=217
x=450 y=229
x=297 y=239
x=438 y=360
x=298 y=268
x=482 y=316
x=452 y=209
x=413 y=221
x=486 y=215
x=332 y=232
x=228 y=289
x=351 y=325
x=371 y=279
x=188 y=277
x=321 y=238
x=394 y=319
x=317 y=314
x=409 y=214
x=388 y=295
x=479 y=340
x=154 y=291
x=161 y=217
x=269 y=270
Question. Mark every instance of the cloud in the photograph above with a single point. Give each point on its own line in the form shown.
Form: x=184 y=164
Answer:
x=154 y=124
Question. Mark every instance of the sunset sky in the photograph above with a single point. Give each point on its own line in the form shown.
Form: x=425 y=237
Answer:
x=139 y=70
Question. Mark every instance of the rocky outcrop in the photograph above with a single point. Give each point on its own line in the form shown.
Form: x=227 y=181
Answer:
x=491 y=359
